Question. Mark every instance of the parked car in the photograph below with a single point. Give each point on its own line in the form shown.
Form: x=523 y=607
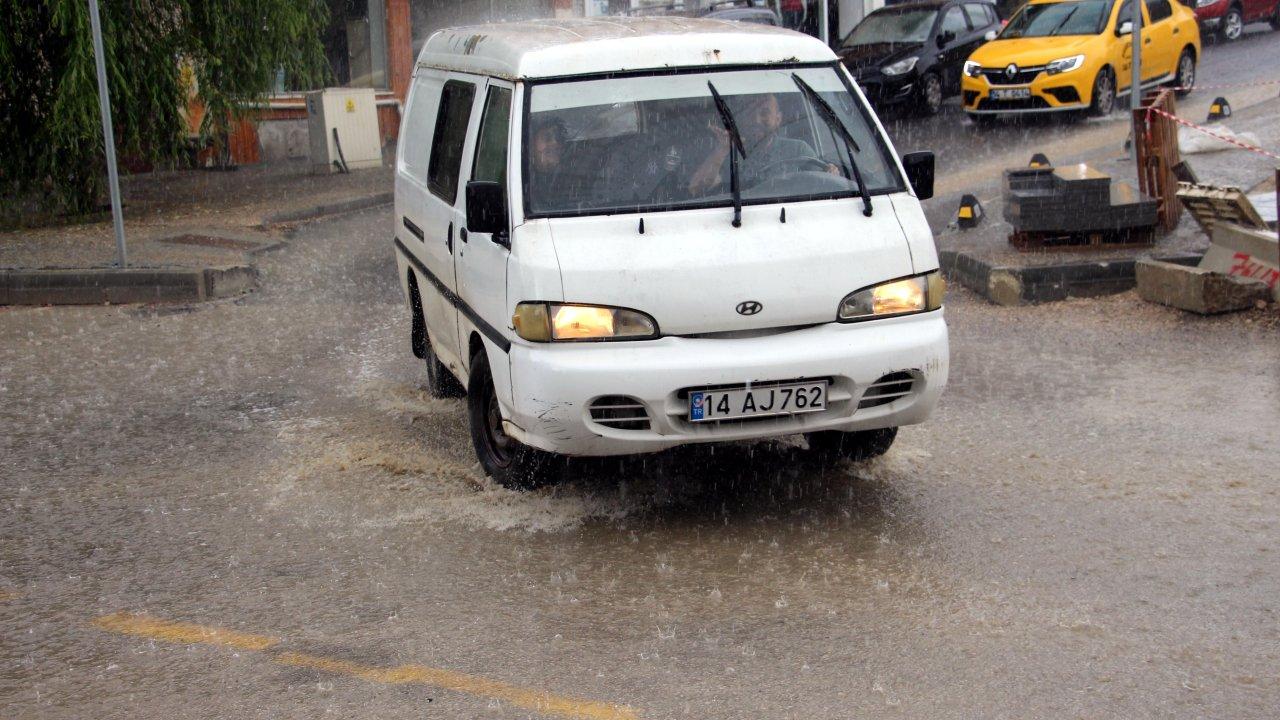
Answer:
x=912 y=53
x=1227 y=18
x=1074 y=55
x=752 y=11
x=625 y=235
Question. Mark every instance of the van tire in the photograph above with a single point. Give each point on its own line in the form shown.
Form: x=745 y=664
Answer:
x=511 y=464
x=440 y=382
x=859 y=445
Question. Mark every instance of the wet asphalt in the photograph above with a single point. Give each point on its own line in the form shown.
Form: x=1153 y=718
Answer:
x=250 y=508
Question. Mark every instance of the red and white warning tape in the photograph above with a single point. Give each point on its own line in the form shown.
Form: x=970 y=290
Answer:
x=1213 y=134
x=1260 y=83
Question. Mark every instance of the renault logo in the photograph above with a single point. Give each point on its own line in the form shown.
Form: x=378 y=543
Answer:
x=1011 y=71
x=749 y=307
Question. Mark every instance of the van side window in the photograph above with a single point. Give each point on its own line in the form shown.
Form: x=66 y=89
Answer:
x=420 y=118
x=451 y=133
x=491 y=150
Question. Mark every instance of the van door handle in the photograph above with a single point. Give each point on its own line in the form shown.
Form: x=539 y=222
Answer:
x=448 y=239
x=463 y=234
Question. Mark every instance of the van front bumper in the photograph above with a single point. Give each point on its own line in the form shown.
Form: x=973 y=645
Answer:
x=554 y=386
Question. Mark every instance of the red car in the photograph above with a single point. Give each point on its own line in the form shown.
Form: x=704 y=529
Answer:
x=1227 y=18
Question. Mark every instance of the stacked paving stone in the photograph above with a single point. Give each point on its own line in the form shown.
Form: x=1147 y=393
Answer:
x=1073 y=199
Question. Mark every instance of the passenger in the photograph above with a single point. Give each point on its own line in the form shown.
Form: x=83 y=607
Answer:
x=548 y=178
x=767 y=150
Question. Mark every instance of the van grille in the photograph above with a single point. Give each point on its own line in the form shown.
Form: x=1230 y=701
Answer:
x=887 y=389
x=620 y=412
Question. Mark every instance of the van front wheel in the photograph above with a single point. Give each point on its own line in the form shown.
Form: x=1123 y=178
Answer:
x=511 y=464
x=860 y=445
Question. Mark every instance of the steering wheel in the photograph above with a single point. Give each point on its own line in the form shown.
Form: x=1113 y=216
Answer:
x=800 y=161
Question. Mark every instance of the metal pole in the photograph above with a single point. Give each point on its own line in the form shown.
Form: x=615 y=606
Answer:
x=823 y=32
x=1135 y=88
x=108 y=137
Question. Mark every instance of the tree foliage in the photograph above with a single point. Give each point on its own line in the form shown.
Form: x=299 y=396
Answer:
x=51 y=150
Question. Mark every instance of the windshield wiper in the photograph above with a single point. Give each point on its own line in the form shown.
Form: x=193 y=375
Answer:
x=829 y=115
x=1067 y=17
x=735 y=144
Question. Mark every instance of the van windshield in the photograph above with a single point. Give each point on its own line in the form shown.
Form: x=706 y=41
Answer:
x=657 y=142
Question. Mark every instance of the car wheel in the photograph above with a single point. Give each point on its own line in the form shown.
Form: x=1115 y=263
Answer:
x=1104 y=94
x=860 y=445
x=930 y=101
x=1186 y=74
x=440 y=382
x=1232 y=24
x=511 y=464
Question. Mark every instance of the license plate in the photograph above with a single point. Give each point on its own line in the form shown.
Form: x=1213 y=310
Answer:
x=763 y=401
x=1011 y=94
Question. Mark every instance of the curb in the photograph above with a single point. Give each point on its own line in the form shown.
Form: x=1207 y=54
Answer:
x=1009 y=286
x=121 y=286
x=318 y=211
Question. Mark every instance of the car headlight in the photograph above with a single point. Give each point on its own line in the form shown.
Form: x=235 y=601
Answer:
x=896 y=297
x=902 y=66
x=557 y=322
x=972 y=69
x=1064 y=64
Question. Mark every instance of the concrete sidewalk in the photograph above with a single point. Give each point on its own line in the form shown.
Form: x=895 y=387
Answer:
x=184 y=230
x=983 y=260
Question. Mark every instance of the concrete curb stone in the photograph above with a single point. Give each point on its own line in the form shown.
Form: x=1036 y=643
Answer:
x=96 y=286
x=318 y=211
x=1048 y=283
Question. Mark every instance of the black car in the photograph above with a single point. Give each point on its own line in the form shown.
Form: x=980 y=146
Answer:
x=913 y=53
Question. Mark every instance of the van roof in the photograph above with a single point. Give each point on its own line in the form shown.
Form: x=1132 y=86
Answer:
x=557 y=48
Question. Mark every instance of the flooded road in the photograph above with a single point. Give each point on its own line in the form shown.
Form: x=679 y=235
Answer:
x=252 y=509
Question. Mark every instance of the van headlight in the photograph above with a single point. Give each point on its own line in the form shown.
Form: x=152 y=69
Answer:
x=558 y=322
x=1062 y=65
x=901 y=67
x=972 y=69
x=896 y=297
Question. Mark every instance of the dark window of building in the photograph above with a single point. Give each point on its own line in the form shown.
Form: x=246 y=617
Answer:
x=355 y=43
x=450 y=135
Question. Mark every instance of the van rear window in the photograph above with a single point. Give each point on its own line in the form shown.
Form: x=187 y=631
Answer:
x=450 y=134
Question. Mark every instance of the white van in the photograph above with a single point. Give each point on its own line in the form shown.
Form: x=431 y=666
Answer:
x=628 y=234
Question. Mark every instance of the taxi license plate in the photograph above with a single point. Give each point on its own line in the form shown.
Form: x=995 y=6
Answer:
x=761 y=401
x=1011 y=94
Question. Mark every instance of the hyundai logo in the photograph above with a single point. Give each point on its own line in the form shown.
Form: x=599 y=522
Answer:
x=1011 y=71
x=749 y=307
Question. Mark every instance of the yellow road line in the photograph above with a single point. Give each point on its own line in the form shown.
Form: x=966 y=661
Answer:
x=535 y=700
x=130 y=624
x=529 y=699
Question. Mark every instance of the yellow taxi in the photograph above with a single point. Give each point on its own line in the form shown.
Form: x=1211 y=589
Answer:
x=1064 y=55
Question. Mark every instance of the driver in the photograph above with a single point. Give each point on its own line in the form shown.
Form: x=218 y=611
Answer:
x=766 y=148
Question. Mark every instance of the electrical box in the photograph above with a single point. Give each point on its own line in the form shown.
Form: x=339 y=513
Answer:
x=344 y=129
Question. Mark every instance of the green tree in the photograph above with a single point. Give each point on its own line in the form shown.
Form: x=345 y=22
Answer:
x=51 y=151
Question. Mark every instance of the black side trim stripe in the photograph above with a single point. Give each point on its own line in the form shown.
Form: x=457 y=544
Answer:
x=413 y=229
x=489 y=331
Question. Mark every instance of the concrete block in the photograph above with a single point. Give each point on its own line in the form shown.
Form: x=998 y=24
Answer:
x=229 y=281
x=1245 y=252
x=1196 y=289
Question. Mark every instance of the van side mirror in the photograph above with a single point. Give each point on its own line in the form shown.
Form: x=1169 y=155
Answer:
x=487 y=210
x=1125 y=28
x=919 y=167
